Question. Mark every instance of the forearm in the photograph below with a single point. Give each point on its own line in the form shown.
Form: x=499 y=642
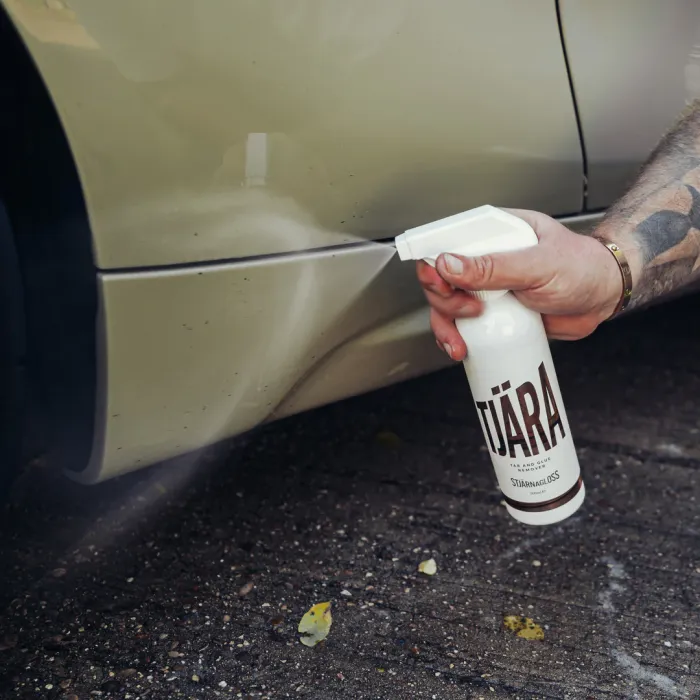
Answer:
x=657 y=223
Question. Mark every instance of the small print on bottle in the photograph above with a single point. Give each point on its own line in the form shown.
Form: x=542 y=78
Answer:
x=528 y=436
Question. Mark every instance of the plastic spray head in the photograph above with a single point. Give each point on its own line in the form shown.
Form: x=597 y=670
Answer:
x=474 y=232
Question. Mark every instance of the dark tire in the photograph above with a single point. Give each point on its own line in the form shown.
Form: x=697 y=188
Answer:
x=12 y=354
x=48 y=279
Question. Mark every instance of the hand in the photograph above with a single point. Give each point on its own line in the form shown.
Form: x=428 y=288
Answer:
x=573 y=280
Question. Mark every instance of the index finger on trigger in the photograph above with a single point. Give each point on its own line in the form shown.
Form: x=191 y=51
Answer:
x=431 y=280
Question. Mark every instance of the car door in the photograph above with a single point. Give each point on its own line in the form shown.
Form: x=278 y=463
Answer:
x=634 y=67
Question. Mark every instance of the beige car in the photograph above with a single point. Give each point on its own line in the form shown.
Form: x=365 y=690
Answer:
x=197 y=195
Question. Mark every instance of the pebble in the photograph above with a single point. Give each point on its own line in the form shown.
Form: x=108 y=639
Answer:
x=428 y=567
x=346 y=593
x=536 y=562
x=57 y=573
x=247 y=588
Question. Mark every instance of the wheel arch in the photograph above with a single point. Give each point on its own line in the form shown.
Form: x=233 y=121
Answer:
x=49 y=268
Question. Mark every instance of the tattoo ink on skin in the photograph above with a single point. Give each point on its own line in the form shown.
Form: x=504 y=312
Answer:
x=666 y=229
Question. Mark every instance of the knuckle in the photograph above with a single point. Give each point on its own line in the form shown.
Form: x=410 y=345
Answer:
x=439 y=290
x=434 y=301
x=426 y=274
x=482 y=269
x=454 y=307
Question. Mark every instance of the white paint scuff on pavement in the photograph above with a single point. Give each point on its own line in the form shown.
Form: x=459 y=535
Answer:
x=634 y=670
x=616 y=573
x=637 y=672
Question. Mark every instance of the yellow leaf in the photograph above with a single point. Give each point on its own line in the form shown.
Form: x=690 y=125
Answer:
x=532 y=631
x=316 y=624
x=514 y=623
x=524 y=627
x=428 y=567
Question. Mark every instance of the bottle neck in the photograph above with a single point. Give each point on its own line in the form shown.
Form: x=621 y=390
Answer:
x=490 y=294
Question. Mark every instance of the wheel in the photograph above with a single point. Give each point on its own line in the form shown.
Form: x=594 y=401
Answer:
x=12 y=353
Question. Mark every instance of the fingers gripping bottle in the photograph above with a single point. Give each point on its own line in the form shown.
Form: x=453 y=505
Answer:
x=510 y=372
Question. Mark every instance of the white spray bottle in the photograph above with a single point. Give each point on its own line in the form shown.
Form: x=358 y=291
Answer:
x=510 y=372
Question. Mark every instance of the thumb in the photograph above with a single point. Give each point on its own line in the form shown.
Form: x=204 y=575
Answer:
x=517 y=270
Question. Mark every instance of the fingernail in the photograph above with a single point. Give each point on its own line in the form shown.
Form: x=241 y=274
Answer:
x=447 y=348
x=453 y=264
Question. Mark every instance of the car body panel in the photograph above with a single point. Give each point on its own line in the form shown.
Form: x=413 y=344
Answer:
x=193 y=355
x=364 y=118
x=634 y=66
x=198 y=354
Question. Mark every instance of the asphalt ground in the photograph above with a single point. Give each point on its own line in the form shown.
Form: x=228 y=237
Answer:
x=189 y=580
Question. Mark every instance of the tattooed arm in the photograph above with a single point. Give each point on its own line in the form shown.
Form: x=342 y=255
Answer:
x=657 y=223
x=574 y=280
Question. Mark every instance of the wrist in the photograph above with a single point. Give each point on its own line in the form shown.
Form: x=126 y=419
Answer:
x=625 y=241
x=623 y=288
x=625 y=266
